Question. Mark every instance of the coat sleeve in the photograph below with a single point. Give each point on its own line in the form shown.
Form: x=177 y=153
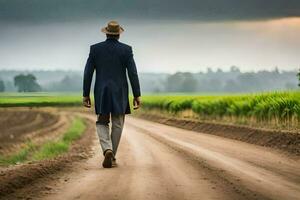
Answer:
x=133 y=75
x=88 y=74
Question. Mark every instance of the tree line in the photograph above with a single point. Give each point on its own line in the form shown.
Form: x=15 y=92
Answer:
x=210 y=81
x=232 y=81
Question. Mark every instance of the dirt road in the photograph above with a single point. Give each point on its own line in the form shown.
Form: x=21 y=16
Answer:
x=156 y=161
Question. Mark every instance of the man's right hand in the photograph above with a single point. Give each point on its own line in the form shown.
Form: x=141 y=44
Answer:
x=86 y=102
x=136 y=102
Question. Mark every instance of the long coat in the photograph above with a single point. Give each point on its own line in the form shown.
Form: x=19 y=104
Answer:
x=111 y=59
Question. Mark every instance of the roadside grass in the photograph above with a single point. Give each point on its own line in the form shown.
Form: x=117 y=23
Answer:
x=20 y=156
x=54 y=148
x=48 y=150
x=51 y=150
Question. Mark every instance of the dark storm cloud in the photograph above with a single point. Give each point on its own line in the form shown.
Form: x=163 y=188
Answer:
x=68 y=10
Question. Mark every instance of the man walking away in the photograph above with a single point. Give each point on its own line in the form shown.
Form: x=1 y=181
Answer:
x=111 y=59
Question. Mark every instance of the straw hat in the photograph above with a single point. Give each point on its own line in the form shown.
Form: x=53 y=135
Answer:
x=112 y=28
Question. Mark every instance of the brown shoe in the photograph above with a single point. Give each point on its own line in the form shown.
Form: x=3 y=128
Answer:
x=107 y=162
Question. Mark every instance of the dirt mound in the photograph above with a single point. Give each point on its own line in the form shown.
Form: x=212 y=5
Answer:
x=18 y=177
x=282 y=140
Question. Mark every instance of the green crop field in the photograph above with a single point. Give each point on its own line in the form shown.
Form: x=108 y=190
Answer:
x=273 y=107
x=276 y=107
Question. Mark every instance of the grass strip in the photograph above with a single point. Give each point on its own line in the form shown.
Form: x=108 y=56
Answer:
x=20 y=156
x=49 y=149
x=54 y=148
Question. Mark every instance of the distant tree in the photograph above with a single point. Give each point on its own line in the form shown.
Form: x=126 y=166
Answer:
x=209 y=85
x=250 y=82
x=231 y=86
x=189 y=83
x=26 y=83
x=298 y=77
x=181 y=82
x=234 y=69
x=209 y=70
x=276 y=70
x=219 y=70
x=71 y=83
x=2 y=86
x=173 y=82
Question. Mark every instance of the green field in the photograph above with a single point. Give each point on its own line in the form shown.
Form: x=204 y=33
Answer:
x=278 y=108
x=40 y=99
x=274 y=107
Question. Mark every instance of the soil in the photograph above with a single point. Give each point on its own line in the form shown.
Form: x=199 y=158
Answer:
x=157 y=161
x=27 y=180
x=19 y=125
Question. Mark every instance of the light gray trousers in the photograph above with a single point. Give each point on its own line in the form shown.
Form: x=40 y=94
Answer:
x=110 y=140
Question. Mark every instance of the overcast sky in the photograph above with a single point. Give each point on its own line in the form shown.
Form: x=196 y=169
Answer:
x=166 y=36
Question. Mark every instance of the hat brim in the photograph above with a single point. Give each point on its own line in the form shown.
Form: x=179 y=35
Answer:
x=104 y=30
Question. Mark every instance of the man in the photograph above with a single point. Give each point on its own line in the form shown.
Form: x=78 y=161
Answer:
x=111 y=59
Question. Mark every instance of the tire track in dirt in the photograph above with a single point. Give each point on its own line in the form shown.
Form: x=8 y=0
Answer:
x=288 y=141
x=147 y=169
x=251 y=169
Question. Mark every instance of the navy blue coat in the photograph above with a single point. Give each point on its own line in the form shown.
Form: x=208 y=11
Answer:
x=111 y=59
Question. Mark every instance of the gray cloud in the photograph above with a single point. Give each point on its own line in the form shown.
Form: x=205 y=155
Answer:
x=69 y=10
x=158 y=47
